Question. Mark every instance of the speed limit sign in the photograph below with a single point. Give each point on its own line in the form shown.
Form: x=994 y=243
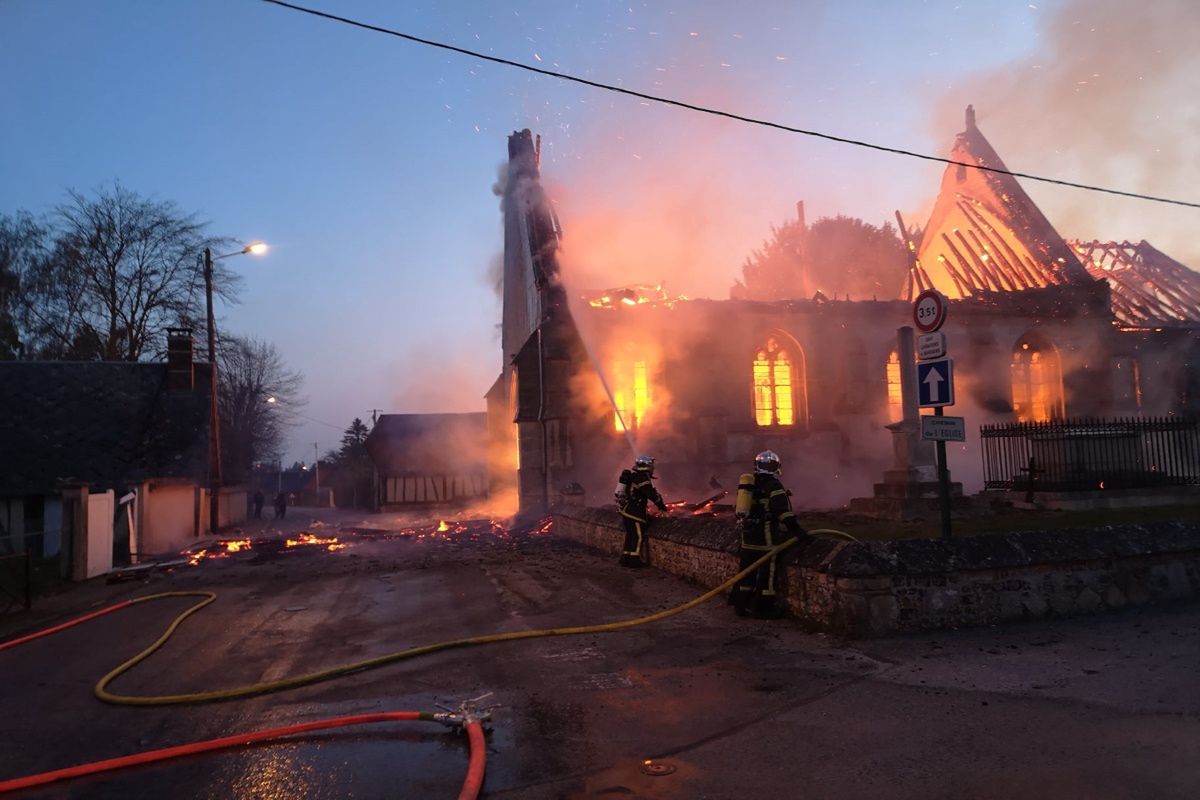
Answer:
x=929 y=311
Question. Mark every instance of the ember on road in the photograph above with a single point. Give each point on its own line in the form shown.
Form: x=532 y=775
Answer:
x=1077 y=708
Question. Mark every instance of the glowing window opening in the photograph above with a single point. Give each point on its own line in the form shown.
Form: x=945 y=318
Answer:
x=1036 y=382
x=774 y=376
x=631 y=395
x=895 y=390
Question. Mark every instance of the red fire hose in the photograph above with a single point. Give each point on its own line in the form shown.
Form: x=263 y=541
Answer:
x=470 y=790
x=68 y=624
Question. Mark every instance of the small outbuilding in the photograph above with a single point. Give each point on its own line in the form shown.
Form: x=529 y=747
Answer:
x=429 y=459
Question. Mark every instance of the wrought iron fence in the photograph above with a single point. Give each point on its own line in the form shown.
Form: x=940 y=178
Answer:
x=1090 y=454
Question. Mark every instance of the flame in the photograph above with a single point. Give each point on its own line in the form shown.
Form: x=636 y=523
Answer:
x=236 y=545
x=634 y=296
x=442 y=526
x=307 y=539
x=632 y=383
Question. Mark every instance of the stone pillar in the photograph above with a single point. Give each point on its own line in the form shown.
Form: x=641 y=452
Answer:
x=913 y=459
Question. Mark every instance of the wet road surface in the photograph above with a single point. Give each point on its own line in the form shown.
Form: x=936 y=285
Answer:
x=1101 y=707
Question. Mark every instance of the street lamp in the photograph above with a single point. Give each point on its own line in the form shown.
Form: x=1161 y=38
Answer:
x=273 y=400
x=214 y=439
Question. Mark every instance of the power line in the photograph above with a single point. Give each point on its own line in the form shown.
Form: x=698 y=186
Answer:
x=318 y=421
x=718 y=112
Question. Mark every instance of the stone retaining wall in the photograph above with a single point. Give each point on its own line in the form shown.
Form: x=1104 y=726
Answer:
x=877 y=588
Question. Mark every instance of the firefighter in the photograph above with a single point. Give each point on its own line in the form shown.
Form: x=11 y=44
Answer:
x=635 y=491
x=767 y=521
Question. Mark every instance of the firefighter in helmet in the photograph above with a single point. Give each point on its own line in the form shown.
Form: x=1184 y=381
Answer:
x=635 y=490
x=765 y=509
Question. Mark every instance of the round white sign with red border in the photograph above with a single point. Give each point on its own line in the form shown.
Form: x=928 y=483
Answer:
x=929 y=311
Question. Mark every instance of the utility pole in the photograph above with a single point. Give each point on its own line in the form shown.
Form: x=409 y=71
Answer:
x=374 y=469
x=317 y=470
x=214 y=434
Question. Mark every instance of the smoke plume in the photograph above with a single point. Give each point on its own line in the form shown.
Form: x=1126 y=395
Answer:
x=1101 y=102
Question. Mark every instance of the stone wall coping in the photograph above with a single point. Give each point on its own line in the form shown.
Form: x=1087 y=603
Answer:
x=932 y=556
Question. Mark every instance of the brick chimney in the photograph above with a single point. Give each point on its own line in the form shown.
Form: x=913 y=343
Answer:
x=181 y=370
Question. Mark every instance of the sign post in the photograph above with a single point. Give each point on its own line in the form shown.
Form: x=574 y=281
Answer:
x=935 y=385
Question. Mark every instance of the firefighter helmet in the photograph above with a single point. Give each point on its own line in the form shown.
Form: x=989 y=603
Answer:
x=645 y=463
x=767 y=461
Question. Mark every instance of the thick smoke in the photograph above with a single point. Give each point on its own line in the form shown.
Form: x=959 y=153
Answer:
x=1103 y=101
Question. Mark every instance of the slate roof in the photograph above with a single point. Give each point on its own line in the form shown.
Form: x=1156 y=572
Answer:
x=429 y=444
x=104 y=423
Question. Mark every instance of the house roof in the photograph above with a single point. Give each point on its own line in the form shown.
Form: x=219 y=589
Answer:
x=103 y=423
x=985 y=234
x=1149 y=288
x=429 y=444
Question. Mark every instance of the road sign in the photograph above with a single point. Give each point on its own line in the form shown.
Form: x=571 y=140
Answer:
x=931 y=345
x=929 y=311
x=944 y=429
x=935 y=383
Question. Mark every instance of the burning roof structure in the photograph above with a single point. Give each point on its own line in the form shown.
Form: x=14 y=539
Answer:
x=632 y=296
x=985 y=234
x=1149 y=288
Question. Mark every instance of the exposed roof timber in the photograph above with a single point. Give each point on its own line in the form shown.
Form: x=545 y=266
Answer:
x=986 y=235
x=1149 y=288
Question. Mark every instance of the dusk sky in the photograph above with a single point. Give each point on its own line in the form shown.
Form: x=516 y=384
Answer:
x=368 y=162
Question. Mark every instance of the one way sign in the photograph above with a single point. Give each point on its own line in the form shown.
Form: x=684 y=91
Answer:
x=935 y=383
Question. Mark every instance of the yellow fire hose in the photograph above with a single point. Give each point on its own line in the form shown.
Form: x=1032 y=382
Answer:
x=102 y=692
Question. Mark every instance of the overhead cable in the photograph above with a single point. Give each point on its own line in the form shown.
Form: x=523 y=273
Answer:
x=720 y=113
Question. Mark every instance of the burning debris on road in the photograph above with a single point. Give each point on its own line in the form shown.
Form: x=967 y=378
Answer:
x=457 y=531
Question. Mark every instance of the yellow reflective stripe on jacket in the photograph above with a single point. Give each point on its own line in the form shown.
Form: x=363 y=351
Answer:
x=778 y=492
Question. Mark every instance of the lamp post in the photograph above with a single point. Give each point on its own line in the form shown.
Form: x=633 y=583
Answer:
x=214 y=437
x=272 y=400
x=317 y=473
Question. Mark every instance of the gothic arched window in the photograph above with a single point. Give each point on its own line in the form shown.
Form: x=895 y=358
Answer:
x=779 y=391
x=1037 y=392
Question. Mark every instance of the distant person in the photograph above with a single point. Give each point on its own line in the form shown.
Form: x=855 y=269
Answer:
x=258 y=504
x=635 y=491
x=767 y=521
x=281 y=504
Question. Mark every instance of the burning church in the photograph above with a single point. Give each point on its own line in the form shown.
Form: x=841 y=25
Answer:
x=1041 y=328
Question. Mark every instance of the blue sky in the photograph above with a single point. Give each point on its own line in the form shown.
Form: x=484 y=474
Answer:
x=368 y=162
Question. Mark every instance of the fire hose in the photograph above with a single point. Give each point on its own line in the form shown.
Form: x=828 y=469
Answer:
x=471 y=721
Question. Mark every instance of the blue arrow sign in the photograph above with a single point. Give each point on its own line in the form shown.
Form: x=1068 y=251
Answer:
x=935 y=383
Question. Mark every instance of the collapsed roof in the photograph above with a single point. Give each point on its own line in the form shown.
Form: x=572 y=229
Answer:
x=1149 y=288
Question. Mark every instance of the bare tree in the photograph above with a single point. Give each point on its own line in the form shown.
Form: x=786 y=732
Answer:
x=258 y=400
x=22 y=248
x=119 y=269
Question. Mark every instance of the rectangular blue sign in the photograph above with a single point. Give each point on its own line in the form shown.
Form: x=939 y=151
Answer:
x=935 y=383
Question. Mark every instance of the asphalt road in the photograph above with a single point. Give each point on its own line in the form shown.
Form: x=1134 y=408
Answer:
x=1103 y=707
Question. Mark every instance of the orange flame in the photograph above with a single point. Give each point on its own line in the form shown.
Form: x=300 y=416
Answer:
x=634 y=296
x=442 y=526
x=307 y=539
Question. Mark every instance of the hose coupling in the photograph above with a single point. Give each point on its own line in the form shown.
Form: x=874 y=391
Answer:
x=468 y=711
